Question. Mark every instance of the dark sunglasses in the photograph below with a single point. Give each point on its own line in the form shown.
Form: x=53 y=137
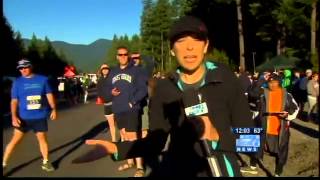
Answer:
x=23 y=68
x=105 y=68
x=122 y=54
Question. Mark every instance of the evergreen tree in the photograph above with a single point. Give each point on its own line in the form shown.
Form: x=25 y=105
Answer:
x=186 y=6
x=135 y=44
x=34 y=55
x=62 y=56
x=146 y=27
x=10 y=51
x=220 y=56
x=63 y=62
x=51 y=60
x=282 y=22
x=163 y=22
x=20 y=46
x=124 y=41
x=112 y=52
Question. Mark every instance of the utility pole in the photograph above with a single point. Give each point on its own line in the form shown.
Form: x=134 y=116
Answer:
x=241 y=38
x=254 y=62
x=162 y=51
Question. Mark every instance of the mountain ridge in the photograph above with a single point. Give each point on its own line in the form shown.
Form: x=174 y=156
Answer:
x=86 y=58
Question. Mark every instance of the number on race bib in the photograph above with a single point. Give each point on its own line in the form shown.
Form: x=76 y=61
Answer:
x=33 y=102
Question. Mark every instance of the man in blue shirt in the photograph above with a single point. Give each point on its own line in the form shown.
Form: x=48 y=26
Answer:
x=31 y=101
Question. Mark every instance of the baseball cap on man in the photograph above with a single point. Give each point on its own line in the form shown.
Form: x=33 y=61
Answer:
x=24 y=63
x=187 y=25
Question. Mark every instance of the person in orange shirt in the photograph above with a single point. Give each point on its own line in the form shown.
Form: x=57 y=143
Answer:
x=277 y=109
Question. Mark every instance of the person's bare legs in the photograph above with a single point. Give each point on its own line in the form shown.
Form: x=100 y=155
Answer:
x=85 y=96
x=112 y=127
x=131 y=136
x=122 y=134
x=128 y=138
x=43 y=143
x=130 y=162
x=44 y=149
x=15 y=140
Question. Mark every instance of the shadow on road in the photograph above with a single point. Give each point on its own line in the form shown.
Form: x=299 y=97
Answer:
x=305 y=130
x=268 y=173
x=81 y=140
x=93 y=132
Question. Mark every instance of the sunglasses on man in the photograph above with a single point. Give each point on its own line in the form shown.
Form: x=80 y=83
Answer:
x=123 y=54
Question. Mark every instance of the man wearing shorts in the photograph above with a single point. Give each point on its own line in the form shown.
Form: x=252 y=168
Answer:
x=129 y=88
x=31 y=101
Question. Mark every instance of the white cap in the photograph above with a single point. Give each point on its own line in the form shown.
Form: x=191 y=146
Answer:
x=308 y=71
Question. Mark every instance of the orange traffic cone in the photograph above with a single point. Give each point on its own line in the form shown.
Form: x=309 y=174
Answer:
x=99 y=101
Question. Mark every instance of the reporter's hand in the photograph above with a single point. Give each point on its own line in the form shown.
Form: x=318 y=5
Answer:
x=16 y=122
x=210 y=132
x=101 y=149
x=110 y=147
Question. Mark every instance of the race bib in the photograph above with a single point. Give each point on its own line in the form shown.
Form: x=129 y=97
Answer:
x=33 y=102
x=196 y=110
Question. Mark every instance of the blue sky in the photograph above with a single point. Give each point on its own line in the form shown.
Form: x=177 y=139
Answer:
x=74 y=21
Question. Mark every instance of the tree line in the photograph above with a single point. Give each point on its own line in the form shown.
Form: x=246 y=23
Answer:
x=41 y=53
x=240 y=31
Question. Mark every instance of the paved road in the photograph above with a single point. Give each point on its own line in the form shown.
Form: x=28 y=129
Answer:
x=303 y=157
x=84 y=121
x=65 y=137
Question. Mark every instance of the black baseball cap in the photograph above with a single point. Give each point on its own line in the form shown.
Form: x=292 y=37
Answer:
x=274 y=77
x=187 y=25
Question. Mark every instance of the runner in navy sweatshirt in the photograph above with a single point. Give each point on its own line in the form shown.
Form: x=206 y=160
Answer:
x=132 y=85
x=129 y=87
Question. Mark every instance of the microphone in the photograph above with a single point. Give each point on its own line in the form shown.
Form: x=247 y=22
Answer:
x=195 y=107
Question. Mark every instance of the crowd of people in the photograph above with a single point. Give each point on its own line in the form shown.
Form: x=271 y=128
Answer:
x=275 y=99
x=185 y=117
x=304 y=87
x=74 y=90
